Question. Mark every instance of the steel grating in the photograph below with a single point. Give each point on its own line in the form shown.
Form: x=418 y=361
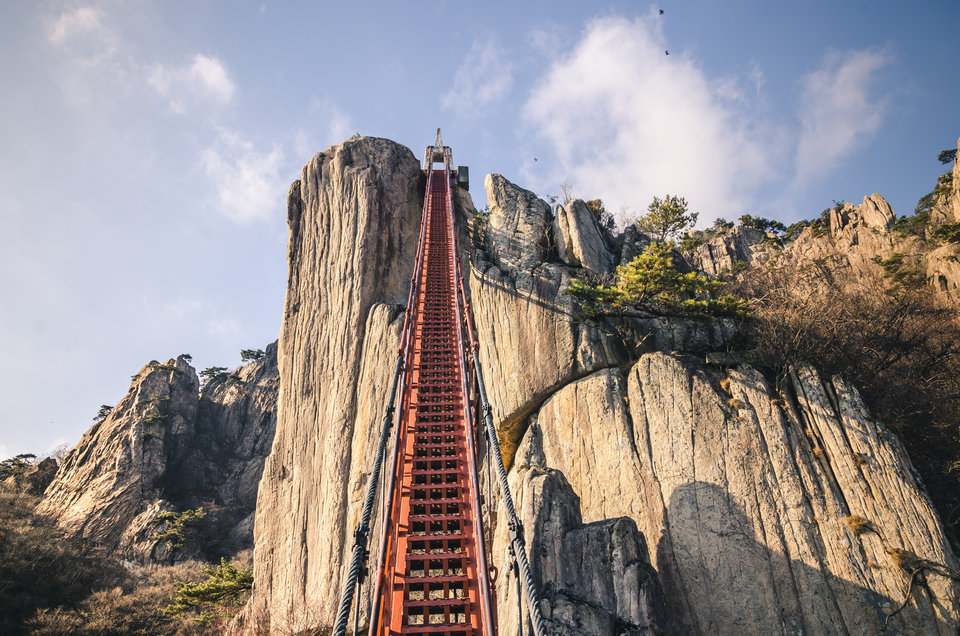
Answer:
x=433 y=580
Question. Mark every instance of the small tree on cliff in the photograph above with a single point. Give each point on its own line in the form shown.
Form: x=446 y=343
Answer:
x=666 y=218
x=651 y=283
x=217 y=598
x=250 y=355
x=102 y=413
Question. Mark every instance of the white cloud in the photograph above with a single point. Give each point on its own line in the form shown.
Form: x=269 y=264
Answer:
x=628 y=122
x=838 y=111
x=82 y=23
x=248 y=181
x=484 y=78
x=204 y=78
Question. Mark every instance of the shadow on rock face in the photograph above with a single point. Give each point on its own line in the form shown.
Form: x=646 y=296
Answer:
x=734 y=584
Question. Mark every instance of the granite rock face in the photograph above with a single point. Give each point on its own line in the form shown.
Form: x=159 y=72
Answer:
x=594 y=578
x=751 y=499
x=166 y=447
x=519 y=228
x=531 y=340
x=354 y=220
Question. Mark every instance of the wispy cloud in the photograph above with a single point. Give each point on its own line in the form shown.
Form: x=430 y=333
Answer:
x=247 y=181
x=838 y=110
x=91 y=63
x=484 y=78
x=84 y=22
x=628 y=122
x=203 y=78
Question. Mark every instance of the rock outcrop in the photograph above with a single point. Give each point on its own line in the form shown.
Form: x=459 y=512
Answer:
x=579 y=239
x=946 y=206
x=531 y=339
x=849 y=244
x=166 y=447
x=35 y=480
x=722 y=253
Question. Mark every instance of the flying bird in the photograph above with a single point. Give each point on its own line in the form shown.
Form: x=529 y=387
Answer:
x=661 y=11
x=667 y=52
x=534 y=158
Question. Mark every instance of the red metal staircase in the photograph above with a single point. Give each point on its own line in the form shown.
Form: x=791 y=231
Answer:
x=434 y=578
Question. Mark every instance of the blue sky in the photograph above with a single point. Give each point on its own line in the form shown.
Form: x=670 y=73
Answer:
x=146 y=147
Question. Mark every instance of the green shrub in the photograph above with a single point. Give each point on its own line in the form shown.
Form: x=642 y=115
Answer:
x=900 y=273
x=794 y=230
x=721 y=225
x=692 y=240
x=949 y=233
x=918 y=223
x=762 y=224
x=210 y=374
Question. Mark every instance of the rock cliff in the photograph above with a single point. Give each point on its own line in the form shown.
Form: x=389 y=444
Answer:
x=167 y=447
x=659 y=495
x=354 y=218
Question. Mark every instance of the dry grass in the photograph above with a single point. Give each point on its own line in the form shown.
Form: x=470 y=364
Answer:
x=859 y=460
x=906 y=560
x=50 y=584
x=302 y=621
x=725 y=385
x=734 y=403
x=858 y=525
x=39 y=567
